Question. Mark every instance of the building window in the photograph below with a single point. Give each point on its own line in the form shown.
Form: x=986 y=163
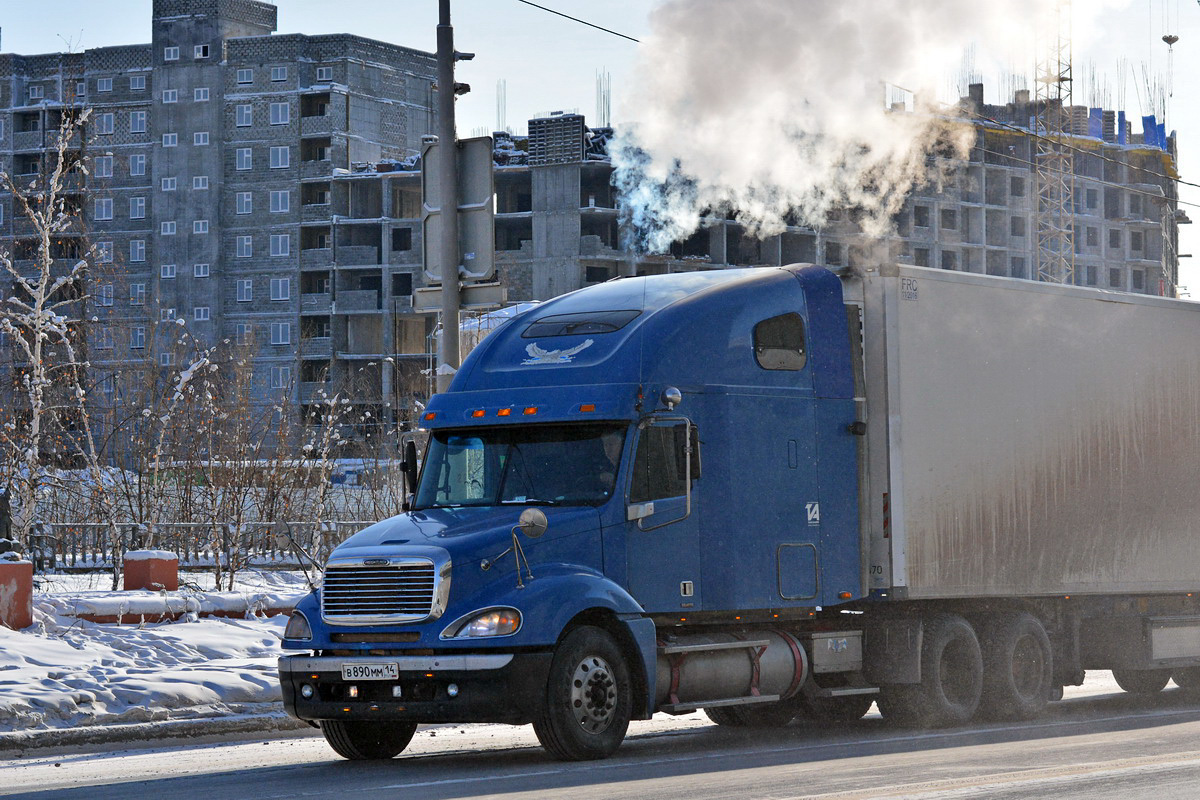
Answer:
x=921 y=216
x=245 y=202
x=245 y=76
x=200 y=138
x=137 y=208
x=1139 y=279
x=245 y=246
x=104 y=208
x=245 y=290
x=280 y=157
x=243 y=332
x=280 y=244
x=137 y=338
x=1016 y=267
x=102 y=166
x=167 y=228
x=200 y=226
x=200 y=182
x=170 y=139
x=104 y=123
x=1093 y=237
x=1093 y=198
x=1135 y=240
x=281 y=333
x=167 y=271
x=1016 y=226
x=949 y=219
x=279 y=113
x=402 y=239
x=200 y=271
x=1091 y=274
x=200 y=95
x=170 y=96
x=137 y=294
x=244 y=116
x=104 y=84
x=281 y=288
x=106 y=295
x=168 y=184
x=279 y=73
x=105 y=340
x=137 y=83
x=243 y=158
x=280 y=377
x=137 y=121
x=949 y=259
x=35 y=93
x=137 y=250
x=324 y=73
x=104 y=253
x=137 y=164
x=200 y=51
x=833 y=254
x=1114 y=238
x=921 y=256
x=1016 y=187
x=200 y=313
x=170 y=54
x=1114 y=277
x=166 y=359
x=80 y=88
x=280 y=202
x=1135 y=204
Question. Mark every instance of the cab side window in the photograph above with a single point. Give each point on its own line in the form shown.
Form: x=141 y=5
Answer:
x=660 y=468
x=779 y=343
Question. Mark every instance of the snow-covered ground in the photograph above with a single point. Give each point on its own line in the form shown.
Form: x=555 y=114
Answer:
x=64 y=672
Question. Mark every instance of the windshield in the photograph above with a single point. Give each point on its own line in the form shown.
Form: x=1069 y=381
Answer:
x=566 y=465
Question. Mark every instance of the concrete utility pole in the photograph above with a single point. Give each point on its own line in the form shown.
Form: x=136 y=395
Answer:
x=448 y=353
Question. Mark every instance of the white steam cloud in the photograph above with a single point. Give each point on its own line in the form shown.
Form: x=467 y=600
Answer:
x=765 y=107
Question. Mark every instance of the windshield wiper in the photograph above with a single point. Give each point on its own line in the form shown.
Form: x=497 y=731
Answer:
x=529 y=502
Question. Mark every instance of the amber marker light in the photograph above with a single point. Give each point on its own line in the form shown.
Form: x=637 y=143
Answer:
x=504 y=412
x=530 y=410
x=430 y=415
x=587 y=408
x=844 y=595
x=479 y=412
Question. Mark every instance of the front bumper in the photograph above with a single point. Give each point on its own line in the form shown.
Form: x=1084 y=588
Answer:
x=501 y=687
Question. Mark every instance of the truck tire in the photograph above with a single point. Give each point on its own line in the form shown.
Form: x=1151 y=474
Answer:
x=1018 y=667
x=1187 y=678
x=361 y=741
x=589 y=698
x=726 y=716
x=951 y=678
x=1142 y=681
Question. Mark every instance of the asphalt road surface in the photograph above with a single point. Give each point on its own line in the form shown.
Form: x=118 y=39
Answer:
x=1098 y=743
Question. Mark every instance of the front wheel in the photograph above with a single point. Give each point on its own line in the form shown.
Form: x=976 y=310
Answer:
x=589 y=698
x=361 y=741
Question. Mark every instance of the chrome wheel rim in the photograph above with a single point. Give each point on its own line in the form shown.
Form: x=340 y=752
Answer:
x=593 y=694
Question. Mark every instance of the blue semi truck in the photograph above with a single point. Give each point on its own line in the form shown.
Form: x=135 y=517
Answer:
x=770 y=494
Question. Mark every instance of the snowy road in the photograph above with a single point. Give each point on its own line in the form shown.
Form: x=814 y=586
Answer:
x=1098 y=743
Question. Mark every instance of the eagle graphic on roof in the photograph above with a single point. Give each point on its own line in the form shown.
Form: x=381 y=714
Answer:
x=539 y=356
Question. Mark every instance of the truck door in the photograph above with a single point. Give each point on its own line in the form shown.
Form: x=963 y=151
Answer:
x=662 y=535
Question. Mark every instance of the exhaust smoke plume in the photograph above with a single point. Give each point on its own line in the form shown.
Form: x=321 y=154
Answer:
x=765 y=107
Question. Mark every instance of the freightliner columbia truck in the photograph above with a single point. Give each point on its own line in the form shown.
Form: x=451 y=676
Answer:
x=776 y=493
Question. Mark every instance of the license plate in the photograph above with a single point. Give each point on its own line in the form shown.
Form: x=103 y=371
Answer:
x=387 y=671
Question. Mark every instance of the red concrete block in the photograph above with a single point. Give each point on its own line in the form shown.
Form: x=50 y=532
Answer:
x=16 y=594
x=154 y=570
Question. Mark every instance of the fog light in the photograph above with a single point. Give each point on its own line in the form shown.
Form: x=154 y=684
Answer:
x=352 y=691
x=397 y=691
x=306 y=691
x=452 y=690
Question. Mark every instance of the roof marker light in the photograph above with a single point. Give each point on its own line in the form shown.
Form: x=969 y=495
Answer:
x=530 y=410
x=479 y=412
x=504 y=412
x=587 y=408
x=430 y=415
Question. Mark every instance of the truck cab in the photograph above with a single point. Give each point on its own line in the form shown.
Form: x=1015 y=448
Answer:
x=628 y=492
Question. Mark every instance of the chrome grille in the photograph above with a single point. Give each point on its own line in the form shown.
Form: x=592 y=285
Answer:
x=400 y=591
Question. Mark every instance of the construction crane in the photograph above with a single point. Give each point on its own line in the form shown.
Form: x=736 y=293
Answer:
x=1054 y=165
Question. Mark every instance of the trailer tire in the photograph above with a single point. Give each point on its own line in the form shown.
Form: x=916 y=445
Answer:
x=589 y=698
x=1018 y=667
x=1187 y=678
x=951 y=678
x=848 y=708
x=726 y=716
x=1142 y=681
x=364 y=741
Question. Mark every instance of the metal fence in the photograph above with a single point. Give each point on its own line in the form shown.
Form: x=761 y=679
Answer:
x=88 y=545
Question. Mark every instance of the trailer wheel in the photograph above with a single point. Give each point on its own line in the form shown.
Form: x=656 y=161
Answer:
x=1142 y=681
x=361 y=741
x=589 y=698
x=951 y=678
x=1187 y=678
x=1018 y=667
x=726 y=716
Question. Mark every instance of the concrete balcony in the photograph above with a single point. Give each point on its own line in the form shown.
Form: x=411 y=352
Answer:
x=31 y=140
x=312 y=391
x=316 y=125
x=402 y=305
x=358 y=300
x=316 y=257
x=316 y=347
x=316 y=169
x=316 y=212
x=357 y=255
x=315 y=303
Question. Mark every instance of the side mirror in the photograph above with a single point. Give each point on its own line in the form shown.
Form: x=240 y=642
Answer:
x=532 y=522
x=409 y=466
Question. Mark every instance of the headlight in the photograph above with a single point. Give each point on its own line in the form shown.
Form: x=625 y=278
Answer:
x=493 y=622
x=298 y=628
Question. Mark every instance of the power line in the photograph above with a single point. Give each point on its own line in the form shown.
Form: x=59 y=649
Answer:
x=580 y=21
